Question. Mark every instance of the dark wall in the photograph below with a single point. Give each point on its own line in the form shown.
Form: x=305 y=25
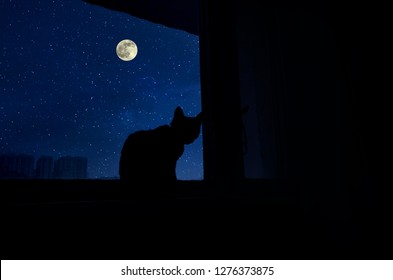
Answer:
x=309 y=77
x=291 y=73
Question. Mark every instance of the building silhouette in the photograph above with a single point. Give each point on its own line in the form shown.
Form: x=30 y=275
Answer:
x=44 y=167
x=68 y=167
x=16 y=166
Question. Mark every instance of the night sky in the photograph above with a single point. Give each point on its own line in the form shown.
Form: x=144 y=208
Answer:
x=64 y=91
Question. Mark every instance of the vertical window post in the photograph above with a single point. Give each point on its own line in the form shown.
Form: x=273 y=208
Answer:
x=223 y=156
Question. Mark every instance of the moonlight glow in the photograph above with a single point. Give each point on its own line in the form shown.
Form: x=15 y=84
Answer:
x=126 y=50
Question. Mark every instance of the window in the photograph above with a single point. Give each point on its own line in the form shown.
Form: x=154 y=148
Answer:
x=68 y=102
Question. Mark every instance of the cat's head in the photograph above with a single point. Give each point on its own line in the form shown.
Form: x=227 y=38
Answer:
x=187 y=128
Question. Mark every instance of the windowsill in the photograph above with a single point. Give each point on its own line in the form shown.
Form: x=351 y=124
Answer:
x=75 y=211
x=110 y=192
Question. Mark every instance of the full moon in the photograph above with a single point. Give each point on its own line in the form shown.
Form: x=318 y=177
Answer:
x=126 y=50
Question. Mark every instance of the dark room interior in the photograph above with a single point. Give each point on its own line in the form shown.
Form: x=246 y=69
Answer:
x=307 y=183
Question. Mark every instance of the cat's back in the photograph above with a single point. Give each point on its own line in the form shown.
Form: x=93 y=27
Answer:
x=148 y=152
x=146 y=141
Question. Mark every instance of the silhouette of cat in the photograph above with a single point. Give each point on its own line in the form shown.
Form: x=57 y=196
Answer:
x=151 y=155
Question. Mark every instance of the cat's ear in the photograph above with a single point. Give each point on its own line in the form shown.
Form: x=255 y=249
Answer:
x=179 y=114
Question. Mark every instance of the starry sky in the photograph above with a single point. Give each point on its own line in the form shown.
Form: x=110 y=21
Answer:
x=64 y=91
